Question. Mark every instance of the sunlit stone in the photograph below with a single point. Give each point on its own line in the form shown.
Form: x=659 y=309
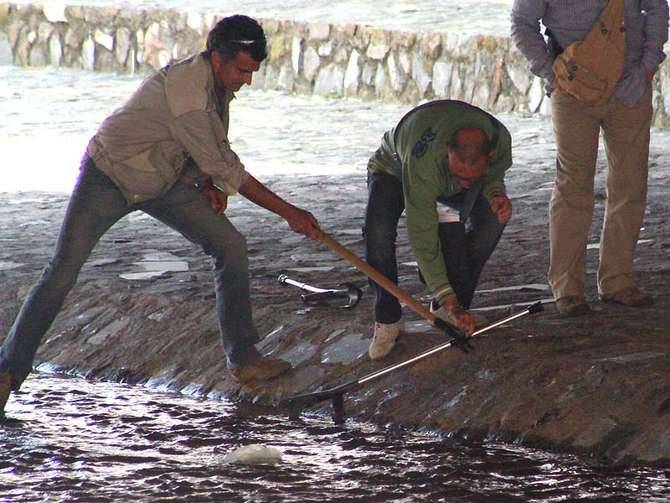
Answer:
x=54 y=11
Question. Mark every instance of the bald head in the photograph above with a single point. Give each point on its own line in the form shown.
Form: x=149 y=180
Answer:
x=469 y=153
x=470 y=144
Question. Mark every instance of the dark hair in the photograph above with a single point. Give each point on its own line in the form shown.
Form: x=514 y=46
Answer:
x=235 y=34
x=470 y=143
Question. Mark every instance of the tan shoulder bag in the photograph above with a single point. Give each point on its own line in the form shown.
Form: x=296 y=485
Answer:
x=589 y=69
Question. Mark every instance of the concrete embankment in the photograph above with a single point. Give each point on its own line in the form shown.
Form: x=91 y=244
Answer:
x=143 y=312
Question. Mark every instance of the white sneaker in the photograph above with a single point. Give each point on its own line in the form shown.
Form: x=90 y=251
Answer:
x=383 y=341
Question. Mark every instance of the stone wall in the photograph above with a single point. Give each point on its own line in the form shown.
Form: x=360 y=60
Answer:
x=337 y=61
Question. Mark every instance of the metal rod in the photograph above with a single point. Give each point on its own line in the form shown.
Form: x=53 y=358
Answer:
x=436 y=349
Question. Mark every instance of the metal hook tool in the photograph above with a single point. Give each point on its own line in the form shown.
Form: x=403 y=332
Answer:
x=346 y=297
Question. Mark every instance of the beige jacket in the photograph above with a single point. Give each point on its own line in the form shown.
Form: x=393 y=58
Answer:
x=173 y=126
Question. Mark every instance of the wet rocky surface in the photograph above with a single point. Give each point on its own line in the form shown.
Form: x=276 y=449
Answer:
x=143 y=309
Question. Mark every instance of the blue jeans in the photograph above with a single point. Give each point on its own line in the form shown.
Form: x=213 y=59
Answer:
x=95 y=205
x=465 y=246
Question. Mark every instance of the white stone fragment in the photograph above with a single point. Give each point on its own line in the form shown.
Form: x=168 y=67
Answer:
x=104 y=39
x=254 y=454
x=54 y=11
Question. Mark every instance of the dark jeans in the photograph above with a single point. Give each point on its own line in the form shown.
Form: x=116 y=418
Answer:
x=95 y=205
x=465 y=246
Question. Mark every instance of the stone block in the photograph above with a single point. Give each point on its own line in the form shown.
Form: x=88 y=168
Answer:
x=74 y=12
x=22 y=49
x=55 y=50
x=14 y=30
x=421 y=74
x=330 y=81
x=296 y=54
x=310 y=63
x=430 y=45
x=104 y=39
x=123 y=44
x=88 y=54
x=75 y=35
x=100 y=16
x=441 y=78
x=380 y=80
x=325 y=49
x=352 y=74
x=6 y=54
x=54 y=11
x=379 y=45
x=38 y=55
x=319 y=31
x=404 y=59
x=4 y=14
x=368 y=73
x=44 y=31
x=397 y=78
x=277 y=48
x=286 y=77
x=341 y=55
x=404 y=39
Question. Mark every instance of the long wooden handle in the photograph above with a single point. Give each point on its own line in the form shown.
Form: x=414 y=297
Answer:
x=379 y=278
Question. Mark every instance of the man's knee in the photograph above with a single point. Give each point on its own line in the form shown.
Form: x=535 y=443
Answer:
x=231 y=248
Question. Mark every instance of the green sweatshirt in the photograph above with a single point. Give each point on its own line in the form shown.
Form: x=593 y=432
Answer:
x=415 y=151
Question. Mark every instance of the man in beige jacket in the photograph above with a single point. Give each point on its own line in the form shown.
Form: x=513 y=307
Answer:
x=166 y=152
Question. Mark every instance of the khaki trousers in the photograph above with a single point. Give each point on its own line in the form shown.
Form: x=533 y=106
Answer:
x=626 y=134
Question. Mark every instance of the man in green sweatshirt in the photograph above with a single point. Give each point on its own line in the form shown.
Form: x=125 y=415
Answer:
x=444 y=164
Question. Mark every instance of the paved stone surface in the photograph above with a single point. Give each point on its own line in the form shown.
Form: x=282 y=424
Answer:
x=595 y=385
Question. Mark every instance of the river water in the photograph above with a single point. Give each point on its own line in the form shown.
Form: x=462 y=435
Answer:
x=72 y=440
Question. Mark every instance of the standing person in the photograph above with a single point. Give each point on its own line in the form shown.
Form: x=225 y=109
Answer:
x=166 y=152
x=625 y=119
x=444 y=163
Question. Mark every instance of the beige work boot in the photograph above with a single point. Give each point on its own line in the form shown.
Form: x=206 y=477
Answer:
x=383 y=340
x=5 y=389
x=572 y=306
x=260 y=369
x=631 y=296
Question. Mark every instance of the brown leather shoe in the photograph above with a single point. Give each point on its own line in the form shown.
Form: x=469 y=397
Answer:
x=261 y=369
x=572 y=306
x=631 y=296
x=5 y=389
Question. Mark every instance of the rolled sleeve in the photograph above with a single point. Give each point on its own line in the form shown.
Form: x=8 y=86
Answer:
x=527 y=36
x=196 y=131
x=421 y=192
x=655 y=32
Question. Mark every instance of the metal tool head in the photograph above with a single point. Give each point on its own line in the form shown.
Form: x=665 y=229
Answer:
x=347 y=297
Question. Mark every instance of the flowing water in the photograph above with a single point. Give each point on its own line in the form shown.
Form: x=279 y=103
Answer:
x=73 y=440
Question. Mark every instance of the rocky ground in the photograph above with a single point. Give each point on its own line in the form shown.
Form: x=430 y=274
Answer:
x=142 y=312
